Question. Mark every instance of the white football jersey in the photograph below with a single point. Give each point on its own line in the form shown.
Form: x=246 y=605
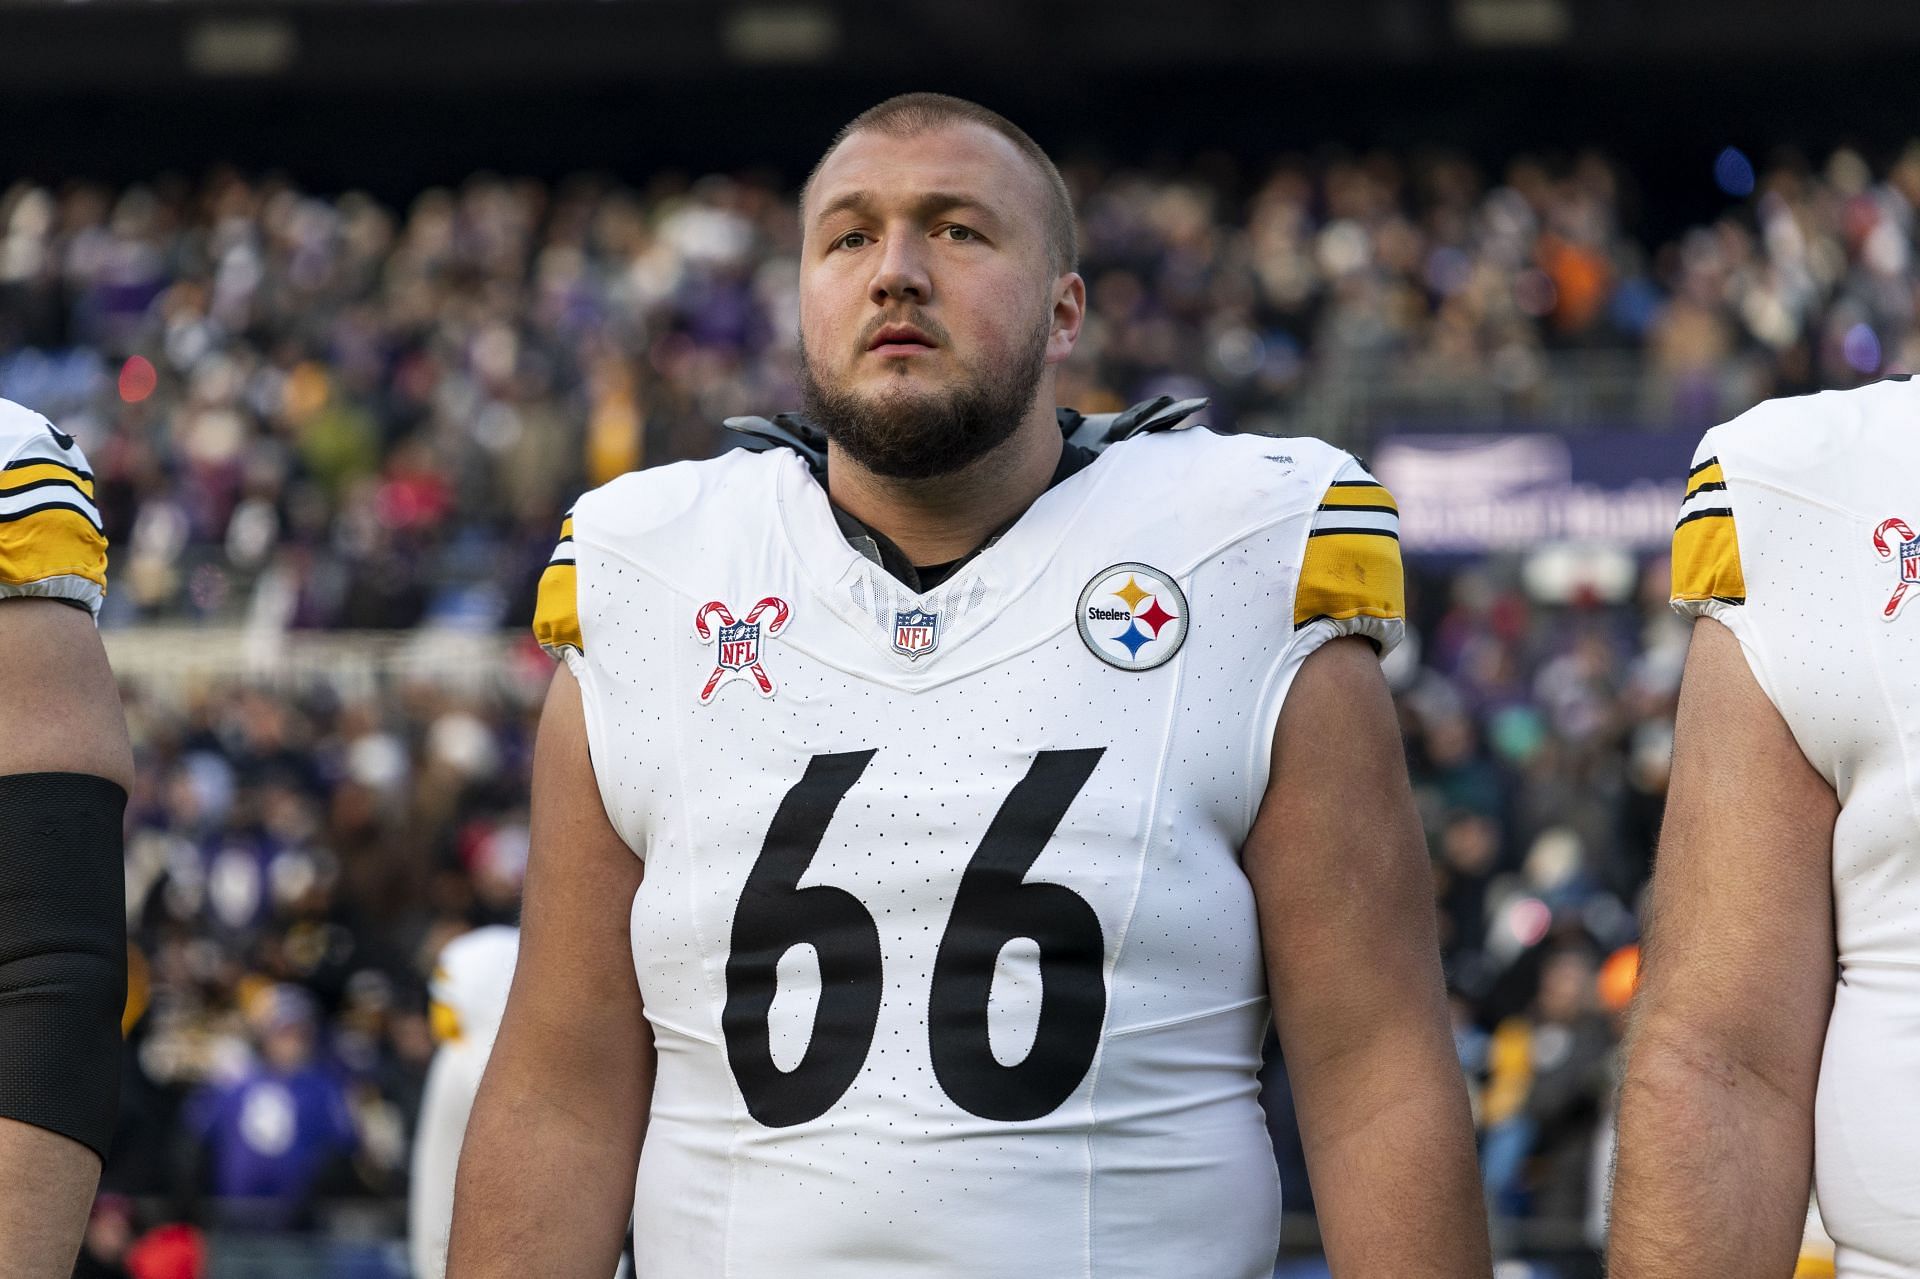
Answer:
x=51 y=544
x=951 y=966
x=1799 y=533
x=469 y=994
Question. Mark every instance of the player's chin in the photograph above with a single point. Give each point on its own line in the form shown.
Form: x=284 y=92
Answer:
x=903 y=385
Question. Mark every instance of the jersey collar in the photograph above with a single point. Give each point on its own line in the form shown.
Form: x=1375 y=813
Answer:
x=920 y=579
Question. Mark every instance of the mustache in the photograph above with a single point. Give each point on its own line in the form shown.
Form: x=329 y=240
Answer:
x=912 y=315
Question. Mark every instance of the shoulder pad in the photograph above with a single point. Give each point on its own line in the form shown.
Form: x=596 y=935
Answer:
x=784 y=430
x=20 y=425
x=1096 y=431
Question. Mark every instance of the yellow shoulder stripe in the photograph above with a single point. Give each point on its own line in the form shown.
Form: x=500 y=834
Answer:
x=19 y=477
x=1708 y=476
x=59 y=542
x=1360 y=494
x=1706 y=559
x=1350 y=574
x=556 y=611
x=444 y=1022
x=556 y=616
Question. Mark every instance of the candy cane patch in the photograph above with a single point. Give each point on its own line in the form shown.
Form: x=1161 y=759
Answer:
x=1907 y=549
x=737 y=644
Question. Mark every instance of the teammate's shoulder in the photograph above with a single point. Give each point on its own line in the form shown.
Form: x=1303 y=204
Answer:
x=1795 y=440
x=54 y=547
x=469 y=984
x=26 y=434
x=642 y=502
x=490 y=948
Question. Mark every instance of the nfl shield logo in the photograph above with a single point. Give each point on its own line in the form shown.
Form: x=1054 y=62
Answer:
x=739 y=645
x=1910 y=561
x=916 y=633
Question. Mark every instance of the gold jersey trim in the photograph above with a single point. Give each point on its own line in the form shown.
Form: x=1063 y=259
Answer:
x=50 y=542
x=1706 y=559
x=1348 y=574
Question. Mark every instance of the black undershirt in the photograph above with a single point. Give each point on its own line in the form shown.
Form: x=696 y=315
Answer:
x=921 y=578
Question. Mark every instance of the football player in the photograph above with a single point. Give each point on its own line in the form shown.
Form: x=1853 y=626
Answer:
x=1774 y=1039
x=65 y=767
x=469 y=992
x=963 y=801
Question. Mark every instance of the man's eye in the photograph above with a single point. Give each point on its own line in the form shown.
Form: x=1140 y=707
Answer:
x=958 y=232
x=851 y=240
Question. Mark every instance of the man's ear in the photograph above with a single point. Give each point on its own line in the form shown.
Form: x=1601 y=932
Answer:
x=1069 y=312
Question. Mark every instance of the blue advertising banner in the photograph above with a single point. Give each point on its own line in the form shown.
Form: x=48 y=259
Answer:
x=1482 y=494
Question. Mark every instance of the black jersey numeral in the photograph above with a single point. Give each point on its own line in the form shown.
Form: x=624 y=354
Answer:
x=775 y=915
x=994 y=906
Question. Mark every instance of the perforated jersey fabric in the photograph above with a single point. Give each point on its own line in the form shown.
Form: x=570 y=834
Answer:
x=950 y=962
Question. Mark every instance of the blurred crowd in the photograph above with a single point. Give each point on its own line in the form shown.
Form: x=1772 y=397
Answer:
x=1540 y=741
x=324 y=412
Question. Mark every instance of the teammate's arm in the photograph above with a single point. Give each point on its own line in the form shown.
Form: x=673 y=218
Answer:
x=546 y=1174
x=1716 y=1110
x=65 y=767
x=1339 y=871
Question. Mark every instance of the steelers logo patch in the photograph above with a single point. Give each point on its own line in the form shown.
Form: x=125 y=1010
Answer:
x=1133 y=616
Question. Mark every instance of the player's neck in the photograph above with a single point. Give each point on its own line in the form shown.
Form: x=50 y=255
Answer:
x=938 y=520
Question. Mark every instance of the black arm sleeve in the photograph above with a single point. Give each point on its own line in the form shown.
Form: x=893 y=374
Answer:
x=63 y=953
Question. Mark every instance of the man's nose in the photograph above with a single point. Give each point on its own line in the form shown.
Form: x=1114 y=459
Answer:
x=901 y=274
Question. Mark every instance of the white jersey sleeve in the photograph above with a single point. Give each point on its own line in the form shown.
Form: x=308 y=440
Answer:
x=1351 y=581
x=1707 y=577
x=51 y=542
x=556 y=617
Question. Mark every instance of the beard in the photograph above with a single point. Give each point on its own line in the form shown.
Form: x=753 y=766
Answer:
x=908 y=434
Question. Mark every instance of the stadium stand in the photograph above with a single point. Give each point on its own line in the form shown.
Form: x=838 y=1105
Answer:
x=319 y=421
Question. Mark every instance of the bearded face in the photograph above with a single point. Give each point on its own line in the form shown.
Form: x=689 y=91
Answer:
x=914 y=428
x=931 y=308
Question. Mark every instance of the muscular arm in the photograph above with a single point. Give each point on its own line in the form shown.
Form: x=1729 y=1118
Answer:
x=1339 y=870
x=546 y=1175
x=63 y=716
x=1716 y=1110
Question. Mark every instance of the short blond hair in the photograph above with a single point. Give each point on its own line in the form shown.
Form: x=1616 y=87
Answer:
x=911 y=114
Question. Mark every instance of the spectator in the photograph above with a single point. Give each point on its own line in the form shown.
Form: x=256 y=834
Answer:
x=1549 y=1073
x=271 y=1133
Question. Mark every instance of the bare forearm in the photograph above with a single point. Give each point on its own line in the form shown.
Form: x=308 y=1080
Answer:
x=544 y=1187
x=1353 y=966
x=547 y=1168
x=1737 y=984
x=1713 y=1171
x=46 y=1188
x=1389 y=1144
